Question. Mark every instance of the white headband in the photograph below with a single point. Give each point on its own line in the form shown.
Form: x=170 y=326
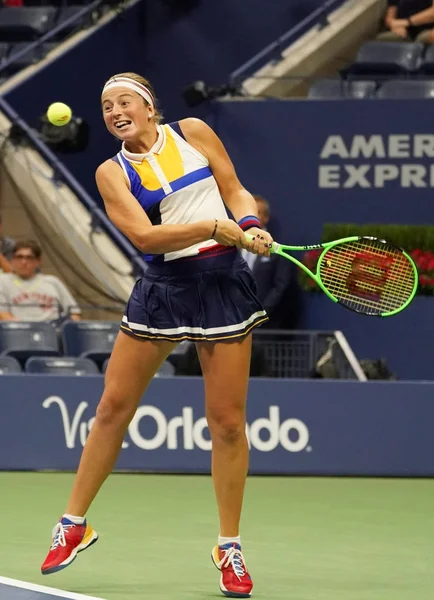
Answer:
x=132 y=85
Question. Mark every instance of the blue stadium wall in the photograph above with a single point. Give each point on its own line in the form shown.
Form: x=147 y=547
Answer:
x=294 y=427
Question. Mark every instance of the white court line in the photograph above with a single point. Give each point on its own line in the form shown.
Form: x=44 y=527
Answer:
x=33 y=587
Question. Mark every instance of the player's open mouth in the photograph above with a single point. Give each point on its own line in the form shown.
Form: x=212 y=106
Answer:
x=122 y=124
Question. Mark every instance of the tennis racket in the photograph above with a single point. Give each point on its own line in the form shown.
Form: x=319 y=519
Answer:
x=365 y=274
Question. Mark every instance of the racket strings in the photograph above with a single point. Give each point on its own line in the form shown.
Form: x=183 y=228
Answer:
x=368 y=276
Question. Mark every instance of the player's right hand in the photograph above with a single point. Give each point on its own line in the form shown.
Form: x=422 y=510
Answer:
x=230 y=234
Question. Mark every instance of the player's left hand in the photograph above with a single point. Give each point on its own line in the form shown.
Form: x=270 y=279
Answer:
x=262 y=242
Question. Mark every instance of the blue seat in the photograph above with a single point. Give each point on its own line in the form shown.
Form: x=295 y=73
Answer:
x=9 y=365
x=166 y=370
x=179 y=354
x=381 y=59
x=406 y=88
x=330 y=89
x=21 y=24
x=427 y=64
x=4 y=50
x=89 y=339
x=64 y=365
x=24 y=339
x=69 y=12
x=31 y=57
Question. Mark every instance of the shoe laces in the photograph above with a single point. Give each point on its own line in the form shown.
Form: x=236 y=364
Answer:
x=233 y=558
x=59 y=534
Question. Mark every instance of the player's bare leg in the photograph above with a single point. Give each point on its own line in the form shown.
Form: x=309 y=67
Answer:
x=132 y=365
x=225 y=368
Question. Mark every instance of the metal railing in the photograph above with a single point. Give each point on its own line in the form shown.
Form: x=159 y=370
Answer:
x=305 y=354
x=273 y=52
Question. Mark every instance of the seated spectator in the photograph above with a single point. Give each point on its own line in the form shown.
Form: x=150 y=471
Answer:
x=28 y=295
x=409 y=20
x=274 y=278
x=6 y=249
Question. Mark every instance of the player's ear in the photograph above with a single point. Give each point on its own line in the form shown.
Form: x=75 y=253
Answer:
x=151 y=112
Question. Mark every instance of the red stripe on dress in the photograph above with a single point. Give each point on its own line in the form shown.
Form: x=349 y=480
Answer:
x=216 y=250
x=213 y=248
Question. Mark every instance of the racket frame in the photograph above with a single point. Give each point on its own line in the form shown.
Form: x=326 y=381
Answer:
x=282 y=250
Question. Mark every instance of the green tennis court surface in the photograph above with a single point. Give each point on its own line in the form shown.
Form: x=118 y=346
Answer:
x=303 y=538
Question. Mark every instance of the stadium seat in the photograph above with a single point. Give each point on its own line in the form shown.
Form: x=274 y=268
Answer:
x=407 y=88
x=68 y=12
x=9 y=365
x=26 y=23
x=427 y=64
x=166 y=370
x=29 y=58
x=89 y=339
x=64 y=365
x=4 y=49
x=382 y=59
x=24 y=339
x=329 y=89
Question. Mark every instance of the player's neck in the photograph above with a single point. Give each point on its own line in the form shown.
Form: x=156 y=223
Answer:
x=144 y=144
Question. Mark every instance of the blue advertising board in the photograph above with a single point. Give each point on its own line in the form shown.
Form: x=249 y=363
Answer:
x=294 y=426
x=333 y=161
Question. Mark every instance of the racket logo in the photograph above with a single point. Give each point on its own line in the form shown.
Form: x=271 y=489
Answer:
x=369 y=274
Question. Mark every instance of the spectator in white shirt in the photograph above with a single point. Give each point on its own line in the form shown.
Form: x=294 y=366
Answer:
x=28 y=295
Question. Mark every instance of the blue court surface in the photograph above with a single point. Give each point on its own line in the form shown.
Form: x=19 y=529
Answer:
x=12 y=589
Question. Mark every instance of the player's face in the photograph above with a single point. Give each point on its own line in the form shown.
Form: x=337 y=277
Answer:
x=126 y=114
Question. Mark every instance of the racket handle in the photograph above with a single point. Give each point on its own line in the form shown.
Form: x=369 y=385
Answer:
x=273 y=248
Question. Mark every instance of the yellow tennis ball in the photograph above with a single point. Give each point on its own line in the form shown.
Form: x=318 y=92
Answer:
x=59 y=114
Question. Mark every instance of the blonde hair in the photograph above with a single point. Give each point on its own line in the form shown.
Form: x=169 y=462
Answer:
x=158 y=116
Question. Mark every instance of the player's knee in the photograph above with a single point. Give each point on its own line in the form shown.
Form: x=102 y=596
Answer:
x=114 y=409
x=227 y=428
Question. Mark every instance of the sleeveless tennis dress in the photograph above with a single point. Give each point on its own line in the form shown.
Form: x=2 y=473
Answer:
x=205 y=292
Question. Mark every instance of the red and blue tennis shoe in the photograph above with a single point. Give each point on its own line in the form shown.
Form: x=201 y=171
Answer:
x=235 y=581
x=68 y=540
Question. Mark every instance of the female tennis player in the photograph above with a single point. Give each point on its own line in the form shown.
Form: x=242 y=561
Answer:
x=164 y=190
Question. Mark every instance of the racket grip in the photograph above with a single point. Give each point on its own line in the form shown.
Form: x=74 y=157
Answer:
x=273 y=248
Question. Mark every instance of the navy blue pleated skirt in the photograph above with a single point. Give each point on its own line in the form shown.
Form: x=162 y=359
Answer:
x=201 y=299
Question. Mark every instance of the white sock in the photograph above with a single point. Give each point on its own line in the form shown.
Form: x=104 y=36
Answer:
x=74 y=519
x=229 y=540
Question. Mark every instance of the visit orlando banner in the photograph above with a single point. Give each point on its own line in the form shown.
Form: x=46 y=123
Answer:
x=294 y=427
